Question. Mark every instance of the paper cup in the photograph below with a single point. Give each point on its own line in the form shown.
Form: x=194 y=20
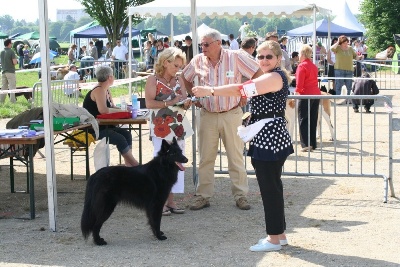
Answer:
x=134 y=113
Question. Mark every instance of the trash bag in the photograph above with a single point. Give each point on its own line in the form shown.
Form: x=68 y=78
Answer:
x=101 y=154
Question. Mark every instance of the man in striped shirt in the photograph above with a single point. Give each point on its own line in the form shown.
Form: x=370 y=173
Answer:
x=220 y=116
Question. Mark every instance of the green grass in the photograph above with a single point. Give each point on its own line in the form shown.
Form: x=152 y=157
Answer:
x=10 y=110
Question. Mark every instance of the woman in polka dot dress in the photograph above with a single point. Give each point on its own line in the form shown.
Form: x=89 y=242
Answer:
x=272 y=144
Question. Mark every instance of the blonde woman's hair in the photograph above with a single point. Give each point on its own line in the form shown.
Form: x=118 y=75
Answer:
x=169 y=54
x=306 y=51
x=275 y=47
x=150 y=37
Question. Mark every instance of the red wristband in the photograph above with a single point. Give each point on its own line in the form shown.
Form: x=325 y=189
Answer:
x=242 y=92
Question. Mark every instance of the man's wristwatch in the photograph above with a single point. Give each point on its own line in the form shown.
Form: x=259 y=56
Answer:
x=212 y=91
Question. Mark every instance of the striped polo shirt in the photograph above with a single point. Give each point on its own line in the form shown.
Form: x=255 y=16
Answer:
x=230 y=69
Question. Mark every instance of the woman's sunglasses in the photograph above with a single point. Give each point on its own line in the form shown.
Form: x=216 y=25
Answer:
x=269 y=57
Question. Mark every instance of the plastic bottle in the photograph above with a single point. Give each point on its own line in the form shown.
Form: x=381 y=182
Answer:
x=135 y=103
x=123 y=103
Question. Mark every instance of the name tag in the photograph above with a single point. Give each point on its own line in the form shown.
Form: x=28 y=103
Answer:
x=230 y=74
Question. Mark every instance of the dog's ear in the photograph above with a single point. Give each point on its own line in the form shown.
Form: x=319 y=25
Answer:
x=164 y=146
x=323 y=89
x=293 y=83
x=174 y=141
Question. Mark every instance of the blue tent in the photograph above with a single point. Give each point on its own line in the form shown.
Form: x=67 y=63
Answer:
x=322 y=30
x=100 y=32
x=84 y=27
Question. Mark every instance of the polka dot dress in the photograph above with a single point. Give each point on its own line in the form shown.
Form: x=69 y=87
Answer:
x=273 y=141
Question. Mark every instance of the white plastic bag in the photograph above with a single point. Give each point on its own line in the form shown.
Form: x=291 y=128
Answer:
x=101 y=154
x=247 y=133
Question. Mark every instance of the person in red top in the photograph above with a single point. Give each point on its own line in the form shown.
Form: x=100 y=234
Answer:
x=307 y=84
x=166 y=42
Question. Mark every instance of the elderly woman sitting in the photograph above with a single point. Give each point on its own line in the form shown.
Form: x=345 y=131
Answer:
x=99 y=101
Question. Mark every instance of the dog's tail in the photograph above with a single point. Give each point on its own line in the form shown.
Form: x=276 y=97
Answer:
x=87 y=219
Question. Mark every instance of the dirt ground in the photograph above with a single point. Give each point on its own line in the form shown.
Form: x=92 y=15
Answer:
x=331 y=221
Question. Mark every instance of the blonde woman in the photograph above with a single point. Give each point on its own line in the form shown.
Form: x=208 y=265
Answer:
x=167 y=98
x=307 y=84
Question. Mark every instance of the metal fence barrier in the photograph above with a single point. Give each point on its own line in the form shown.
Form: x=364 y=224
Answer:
x=361 y=147
x=63 y=92
x=120 y=67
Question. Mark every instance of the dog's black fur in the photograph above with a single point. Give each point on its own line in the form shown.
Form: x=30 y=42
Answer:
x=27 y=95
x=146 y=187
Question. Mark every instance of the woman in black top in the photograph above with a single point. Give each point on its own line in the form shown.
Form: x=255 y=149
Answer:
x=99 y=101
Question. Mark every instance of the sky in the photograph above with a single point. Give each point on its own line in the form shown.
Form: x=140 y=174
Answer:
x=28 y=9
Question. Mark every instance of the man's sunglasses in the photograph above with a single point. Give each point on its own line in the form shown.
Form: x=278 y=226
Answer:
x=261 y=57
x=208 y=44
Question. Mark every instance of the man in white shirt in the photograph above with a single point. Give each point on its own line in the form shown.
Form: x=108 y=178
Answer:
x=243 y=30
x=120 y=53
x=234 y=44
x=72 y=75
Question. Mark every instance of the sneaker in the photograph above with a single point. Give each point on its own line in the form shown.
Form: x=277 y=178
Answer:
x=356 y=110
x=242 y=203
x=199 y=203
x=367 y=111
x=265 y=247
x=283 y=242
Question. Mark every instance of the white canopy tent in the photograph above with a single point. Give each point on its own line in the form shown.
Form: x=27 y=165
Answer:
x=346 y=18
x=219 y=8
x=200 y=31
x=48 y=117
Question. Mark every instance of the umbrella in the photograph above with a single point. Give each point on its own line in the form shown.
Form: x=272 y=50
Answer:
x=32 y=36
x=3 y=35
x=37 y=59
x=53 y=44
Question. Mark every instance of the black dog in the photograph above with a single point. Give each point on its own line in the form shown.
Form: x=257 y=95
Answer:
x=27 y=95
x=145 y=187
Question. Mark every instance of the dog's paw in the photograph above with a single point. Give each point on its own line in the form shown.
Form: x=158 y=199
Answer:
x=100 y=242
